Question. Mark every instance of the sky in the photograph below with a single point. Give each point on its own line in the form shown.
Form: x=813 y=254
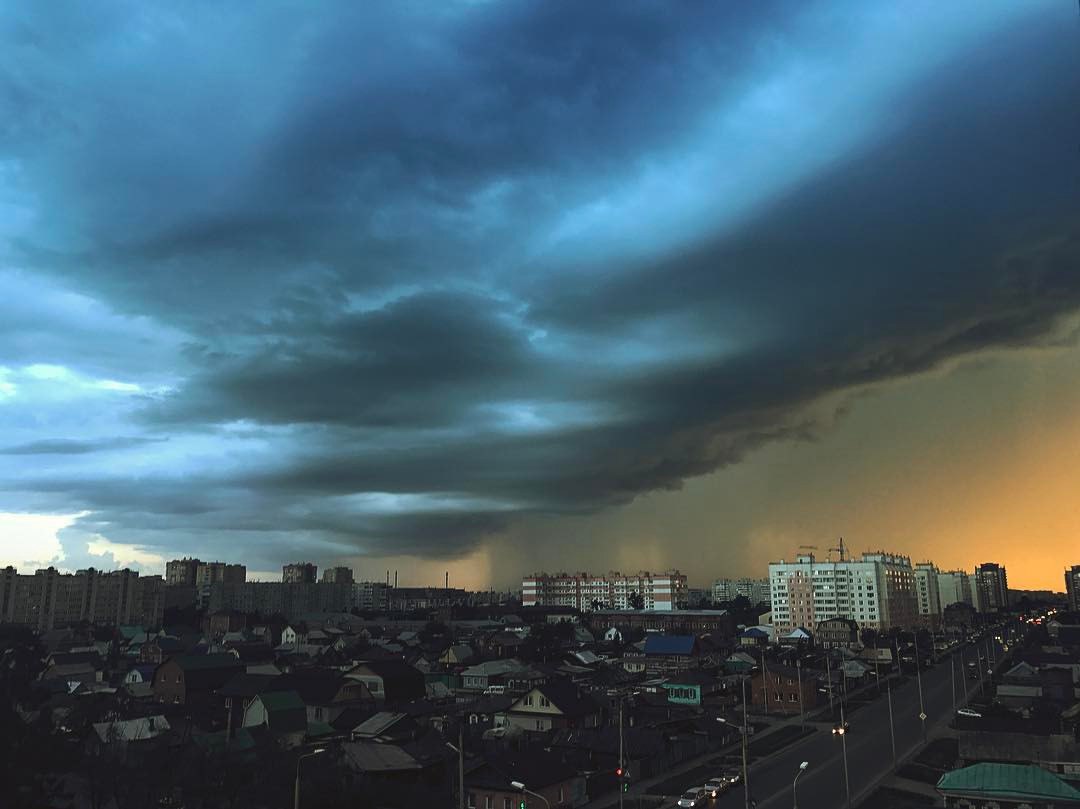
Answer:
x=494 y=287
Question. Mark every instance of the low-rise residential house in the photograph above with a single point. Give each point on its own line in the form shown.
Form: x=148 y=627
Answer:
x=387 y=727
x=140 y=674
x=192 y=679
x=241 y=690
x=282 y=713
x=838 y=633
x=328 y=693
x=559 y=785
x=457 y=655
x=554 y=705
x=755 y=636
x=390 y=682
x=777 y=689
x=739 y=663
x=691 y=687
x=666 y=654
x=1005 y=786
x=294 y=636
x=1020 y=740
x=218 y=624
x=117 y=736
x=491 y=672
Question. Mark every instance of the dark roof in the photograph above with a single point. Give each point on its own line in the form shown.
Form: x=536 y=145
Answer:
x=218 y=660
x=68 y=658
x=204 y=672
x=285 y=710
x=638 y=742
x=316 y=686
x=670 y=644
x=570 y=700
x=492 y=703
x=537 y=769
x=691 y=677
x=351 y=717
x=249 y=685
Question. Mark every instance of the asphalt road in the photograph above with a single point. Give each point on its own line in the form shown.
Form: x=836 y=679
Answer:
x=869 y=754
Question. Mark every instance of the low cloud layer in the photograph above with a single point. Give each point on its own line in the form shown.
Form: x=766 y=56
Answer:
x=388 y=281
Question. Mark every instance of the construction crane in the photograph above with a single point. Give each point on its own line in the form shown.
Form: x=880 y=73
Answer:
x=840 y=550
x=810 y=548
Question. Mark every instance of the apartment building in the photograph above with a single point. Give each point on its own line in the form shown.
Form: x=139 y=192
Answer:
x=614 y=590
x=928 y=593
x=290 y=599
x=182 y=571
x=338 y=575
x=992 y=586
x=1072 y=587
x=757 y=591
x=299 y=572
x=371 y=595
x=955 y=587
x=877 y=591
x=49 y=599
x=208 y=573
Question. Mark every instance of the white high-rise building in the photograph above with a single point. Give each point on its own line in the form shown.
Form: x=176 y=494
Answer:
x=877 y=591
x=614 y=590
x=926 y=588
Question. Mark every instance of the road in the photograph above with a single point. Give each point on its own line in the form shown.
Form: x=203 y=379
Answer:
x=868 y=748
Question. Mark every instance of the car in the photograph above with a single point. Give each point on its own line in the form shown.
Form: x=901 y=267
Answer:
x=969 y=713
x=716 y=786
x=732 y=776
x=692 y=798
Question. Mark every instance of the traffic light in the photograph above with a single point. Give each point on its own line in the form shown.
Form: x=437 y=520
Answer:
x=521 y=804
x=618 y=772
x=625 y=786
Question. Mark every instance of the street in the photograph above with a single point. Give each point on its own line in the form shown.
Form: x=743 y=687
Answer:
x=821 y=786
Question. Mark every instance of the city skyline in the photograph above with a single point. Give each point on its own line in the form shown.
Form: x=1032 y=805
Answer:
x=513 y=283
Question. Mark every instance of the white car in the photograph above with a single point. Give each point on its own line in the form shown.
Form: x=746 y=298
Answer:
x=969 y=713
x=692 y=798
x=716 y=786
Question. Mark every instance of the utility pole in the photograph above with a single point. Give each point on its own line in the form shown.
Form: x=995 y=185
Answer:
x=963 y=674
x=842 y=732
x=828 y=675
x=892 y=729
x=952 y=676
x=745 y=742
x=461 y=762
x=802 y=713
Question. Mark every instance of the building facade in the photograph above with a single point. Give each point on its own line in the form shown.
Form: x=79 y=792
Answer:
x=955 y=587
x=49 y=599
x=928 y=594
x=299 y=573
x=1072 y=587
x=992 y=586
x=614 y=590
x=877 y=591
x=757 y=591
x=371 y=595
x=182 y=571
x=338 y=575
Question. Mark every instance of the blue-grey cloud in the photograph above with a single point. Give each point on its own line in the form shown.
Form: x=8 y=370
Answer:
x=391 y=278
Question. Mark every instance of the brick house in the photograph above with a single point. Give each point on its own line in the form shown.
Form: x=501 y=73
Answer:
x=191 y=679
x=838 y=633
x=776 y=688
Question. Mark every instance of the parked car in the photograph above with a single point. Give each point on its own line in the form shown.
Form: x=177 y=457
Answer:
x=969 y=713
x=692 y=798
x=716 y=786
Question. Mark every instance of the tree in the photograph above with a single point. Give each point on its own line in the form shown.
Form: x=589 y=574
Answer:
x=637 y=601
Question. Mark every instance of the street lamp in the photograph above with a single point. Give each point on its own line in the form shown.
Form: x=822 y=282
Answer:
x=520 y=786
x=794 y=794
x=299 y=761
x=460 y=750
x=743 y=733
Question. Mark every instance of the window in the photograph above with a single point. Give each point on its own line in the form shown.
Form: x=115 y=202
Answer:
x=562 y=795
x=471 y=800
x=489 y=802
x=539 y=724
x=506 y=803
x=528 y=700
x=545 y=702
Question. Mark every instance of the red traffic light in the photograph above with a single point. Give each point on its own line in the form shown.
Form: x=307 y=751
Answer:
x=618 y=772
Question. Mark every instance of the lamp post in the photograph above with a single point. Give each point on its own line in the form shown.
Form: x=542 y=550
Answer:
x=460 y=750
x=892 y=730
x=918 y=679
x=743 y=733
x=794 y=793
x=299 y=761
x=520 y=786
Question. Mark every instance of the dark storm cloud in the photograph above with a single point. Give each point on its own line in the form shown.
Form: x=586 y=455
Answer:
x=70 y=446
x=426 y=272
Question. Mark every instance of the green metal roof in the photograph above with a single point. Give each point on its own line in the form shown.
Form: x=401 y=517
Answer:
x=282 y=701
x=1008 y=781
